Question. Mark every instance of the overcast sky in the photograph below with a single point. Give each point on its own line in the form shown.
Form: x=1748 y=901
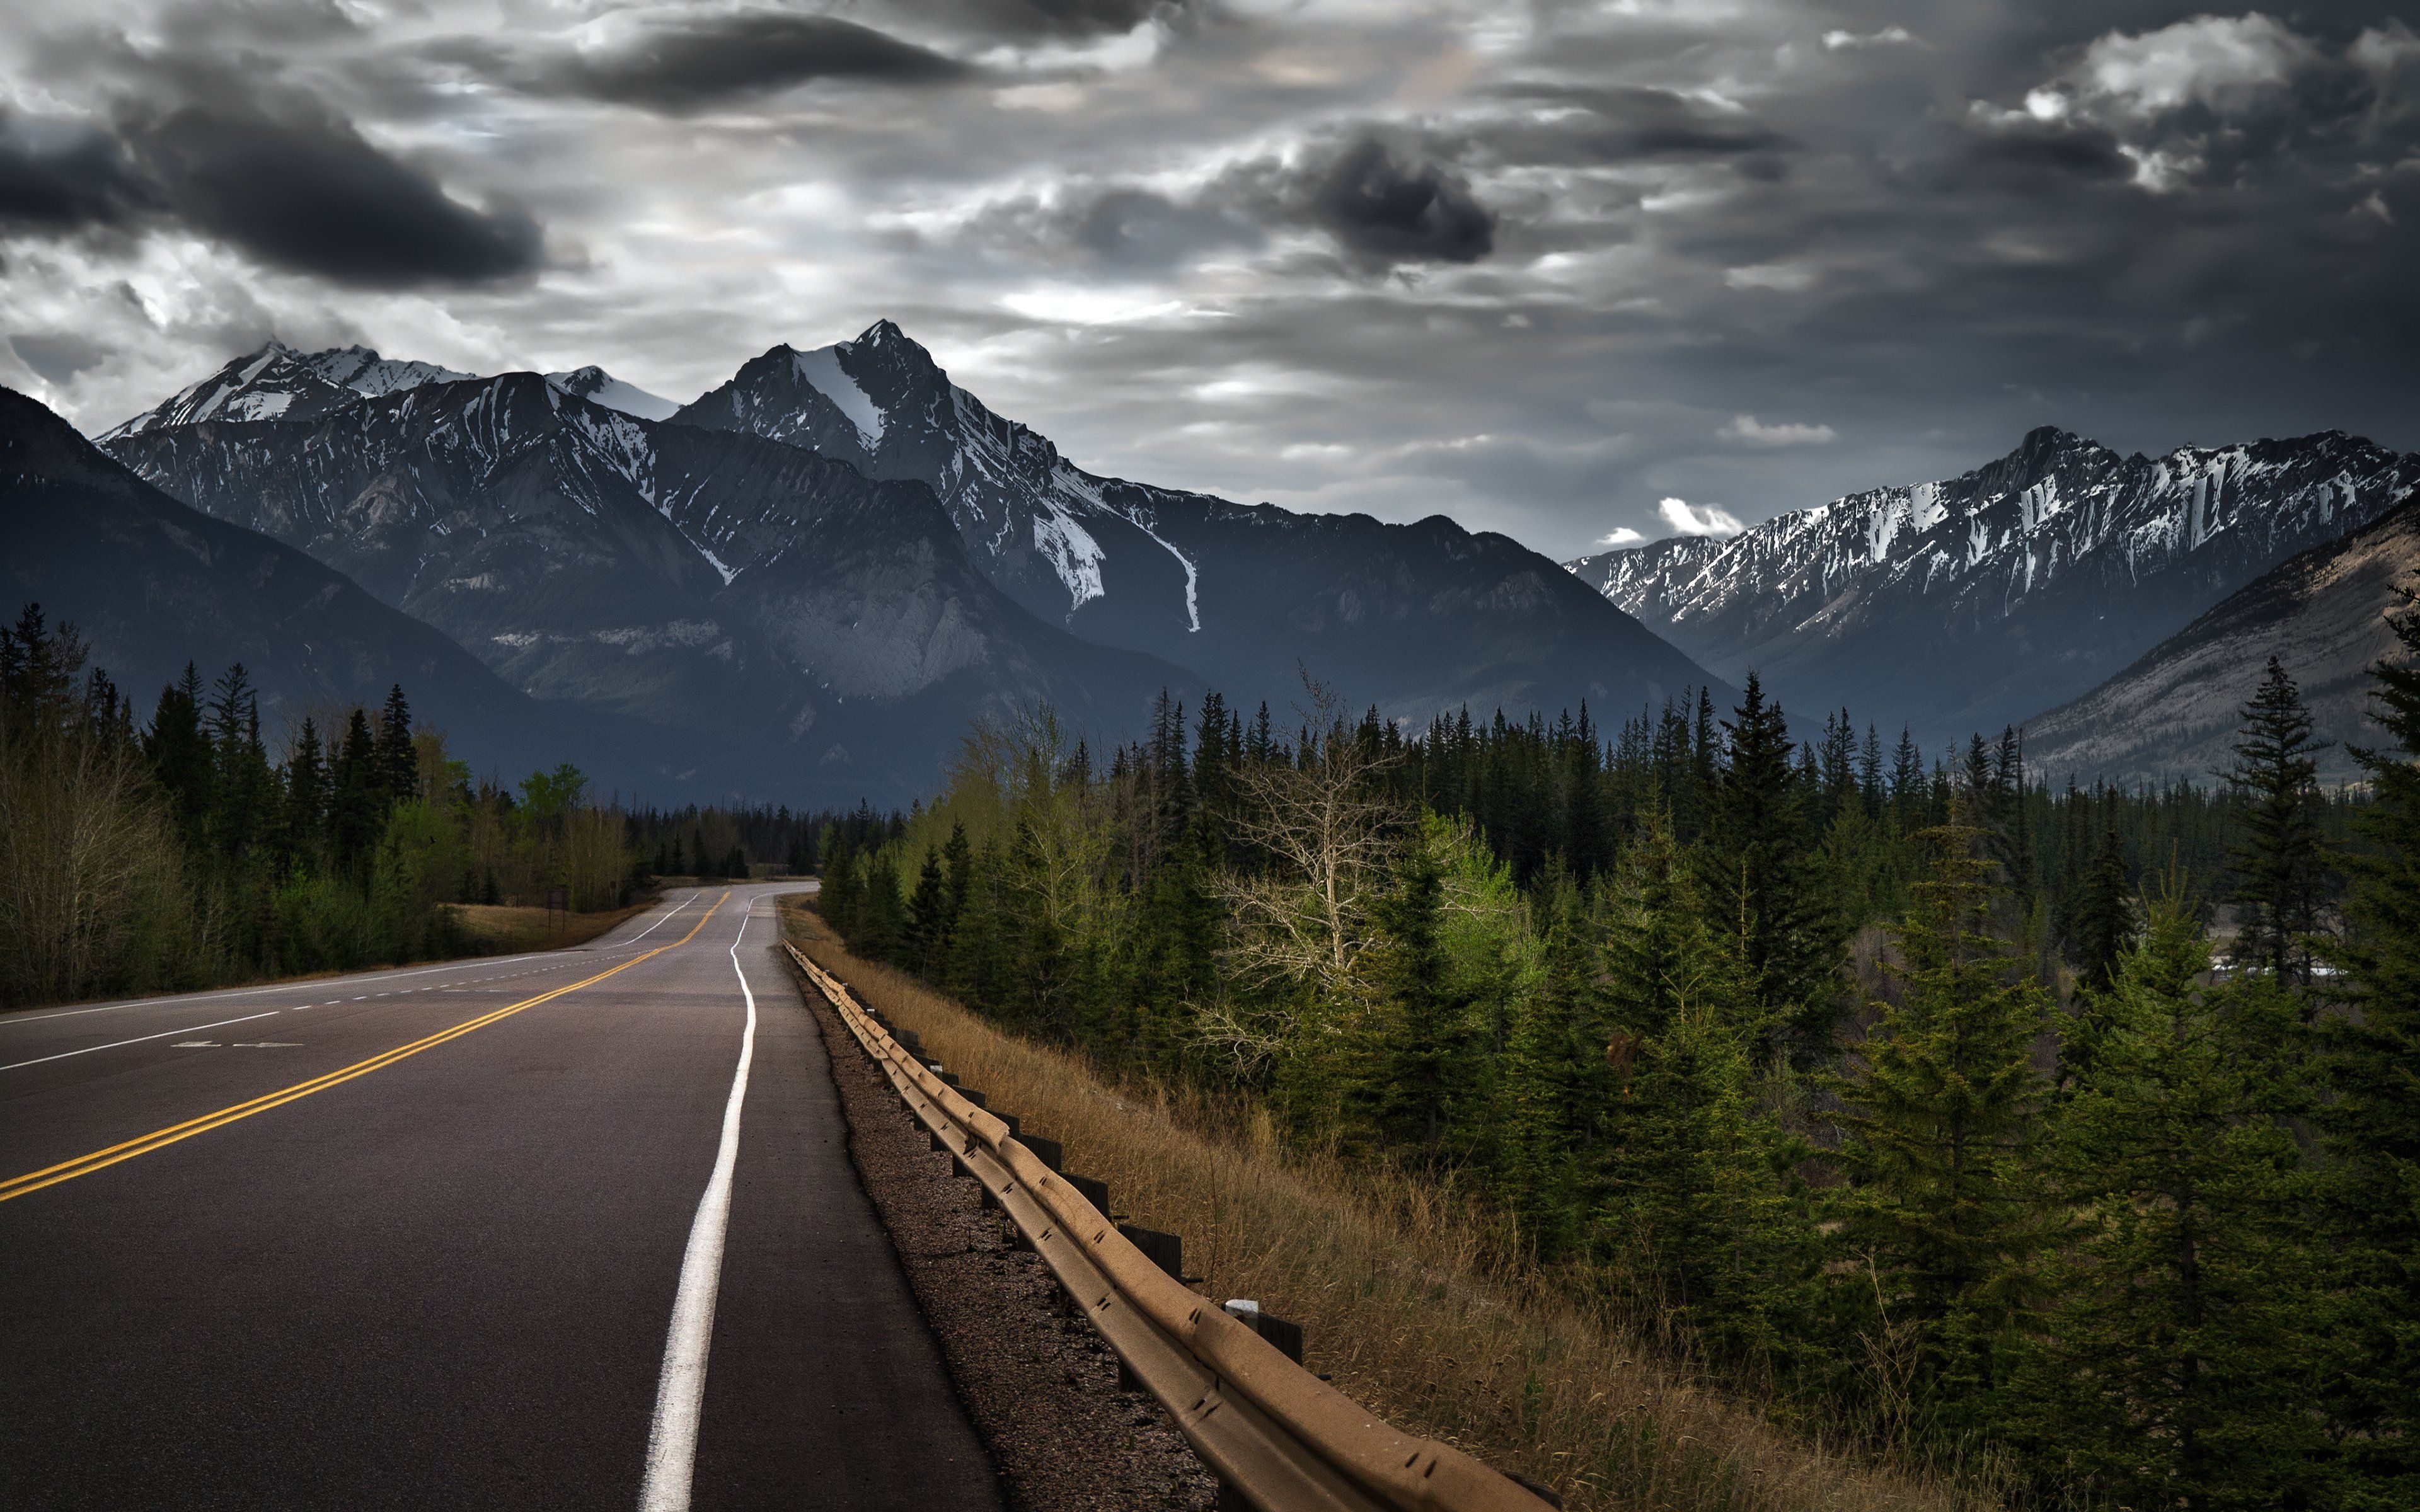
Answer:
x=1573 y=271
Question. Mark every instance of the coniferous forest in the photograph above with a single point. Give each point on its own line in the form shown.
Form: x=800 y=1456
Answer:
x=181 y=851
x=2071 y=1134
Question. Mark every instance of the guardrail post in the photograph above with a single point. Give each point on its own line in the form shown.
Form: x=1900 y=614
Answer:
x=1286 y=1336
x=1095 y=1193
x=1167 y=1251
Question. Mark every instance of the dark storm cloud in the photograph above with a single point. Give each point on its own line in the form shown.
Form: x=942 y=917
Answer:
x=2041 y=152
x=693 y=63
x=1064 y=18
x=1385 y=211
x=312 y=196
x=65 y=177
x=306 y=193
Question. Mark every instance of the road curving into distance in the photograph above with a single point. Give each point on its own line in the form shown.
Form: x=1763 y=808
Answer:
x=515 y=1232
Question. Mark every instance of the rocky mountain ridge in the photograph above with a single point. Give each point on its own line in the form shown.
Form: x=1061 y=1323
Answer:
x=1985 y=599
x=846 y=525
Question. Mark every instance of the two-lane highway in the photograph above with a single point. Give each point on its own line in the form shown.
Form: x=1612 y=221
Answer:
x=576 y=1230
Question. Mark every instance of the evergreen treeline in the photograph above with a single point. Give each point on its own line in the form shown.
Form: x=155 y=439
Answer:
x=181 y=852
x=1927 y=1100
x=715 y=843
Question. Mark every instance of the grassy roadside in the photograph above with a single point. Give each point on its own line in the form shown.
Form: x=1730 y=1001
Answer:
x=1393 y=1283
x=499 y=930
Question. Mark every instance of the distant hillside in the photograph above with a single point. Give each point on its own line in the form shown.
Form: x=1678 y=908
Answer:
x=2174 y=713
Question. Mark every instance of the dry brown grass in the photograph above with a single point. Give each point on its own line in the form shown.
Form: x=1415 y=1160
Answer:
x=1403 y=1296
x=500 y=929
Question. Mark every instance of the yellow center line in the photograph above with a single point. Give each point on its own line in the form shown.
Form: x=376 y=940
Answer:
x=158 y=1138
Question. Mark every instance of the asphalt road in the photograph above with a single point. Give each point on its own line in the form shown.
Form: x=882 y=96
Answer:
x=321 y=1246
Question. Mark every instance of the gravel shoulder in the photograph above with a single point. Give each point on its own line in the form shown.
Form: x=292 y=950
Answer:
x=1040 y=1385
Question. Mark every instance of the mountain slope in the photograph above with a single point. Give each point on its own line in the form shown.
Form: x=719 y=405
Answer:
x=824 y=631
x=1980 y=600
x=1413 y=618
x=152 y=583
x=2175 y=713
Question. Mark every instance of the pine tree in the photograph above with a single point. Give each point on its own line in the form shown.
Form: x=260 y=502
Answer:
x=181 y=754
x=1693 y=1201
x=2104 y=914
x=1421 y=1033
x=357 y=811
x=2371 y=1124
x=926 y=939
x=306 y=797
x=2280 y=868
x=1560 y=1087
x=2172 y=1367
x=1763 y=879
x=1940 y=1109
x=399 y=765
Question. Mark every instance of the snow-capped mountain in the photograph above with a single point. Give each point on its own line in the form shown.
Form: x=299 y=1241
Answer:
x=2176 y=712
x=277 y=382
x=815 y=632
x=845 y=526
x=1413 y=618
x=1985 y=599
x=151 y=584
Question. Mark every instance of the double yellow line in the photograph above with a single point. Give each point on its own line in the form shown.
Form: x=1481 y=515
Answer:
x=159 y=1139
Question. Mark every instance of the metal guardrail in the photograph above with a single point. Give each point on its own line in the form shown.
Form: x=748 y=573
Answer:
x=1271 y=1431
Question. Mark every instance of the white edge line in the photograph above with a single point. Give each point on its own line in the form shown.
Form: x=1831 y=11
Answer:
x=139 y=1039
x=680 y=1393
x=7 y=1020
x=666 y=919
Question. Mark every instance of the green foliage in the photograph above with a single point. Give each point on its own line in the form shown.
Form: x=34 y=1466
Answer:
x=1597 y=980
x=2371 y=1124
x=2172 y=1363
x=1940 y=1108
x=2280 y=874
x=182 y=854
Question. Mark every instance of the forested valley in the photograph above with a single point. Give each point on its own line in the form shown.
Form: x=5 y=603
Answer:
x=2068 y=1137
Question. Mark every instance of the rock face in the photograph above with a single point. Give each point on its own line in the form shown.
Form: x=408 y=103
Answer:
x=1413 y=618
x=834 y=561
x=803 y=630
x=2175 y=713
x=1982 y=600
x=152 y=583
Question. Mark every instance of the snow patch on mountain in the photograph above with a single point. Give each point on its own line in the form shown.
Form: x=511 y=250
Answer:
x=598 y=386
x=366 y=373
x=822 y=369
x=1072 y=553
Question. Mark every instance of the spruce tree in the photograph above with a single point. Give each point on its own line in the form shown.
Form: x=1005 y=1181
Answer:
x=1421 y=1033
x=926 y=937
x=2104 y=914
x=1694 y=1200
x=181 y=754
x=357 y=809
x=398 y=763
x=2173 y=1364
x=2280 y=867
x=1763 y=883
x=1560 y=1087
x=1940 y=1108
x=2370 y=1122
